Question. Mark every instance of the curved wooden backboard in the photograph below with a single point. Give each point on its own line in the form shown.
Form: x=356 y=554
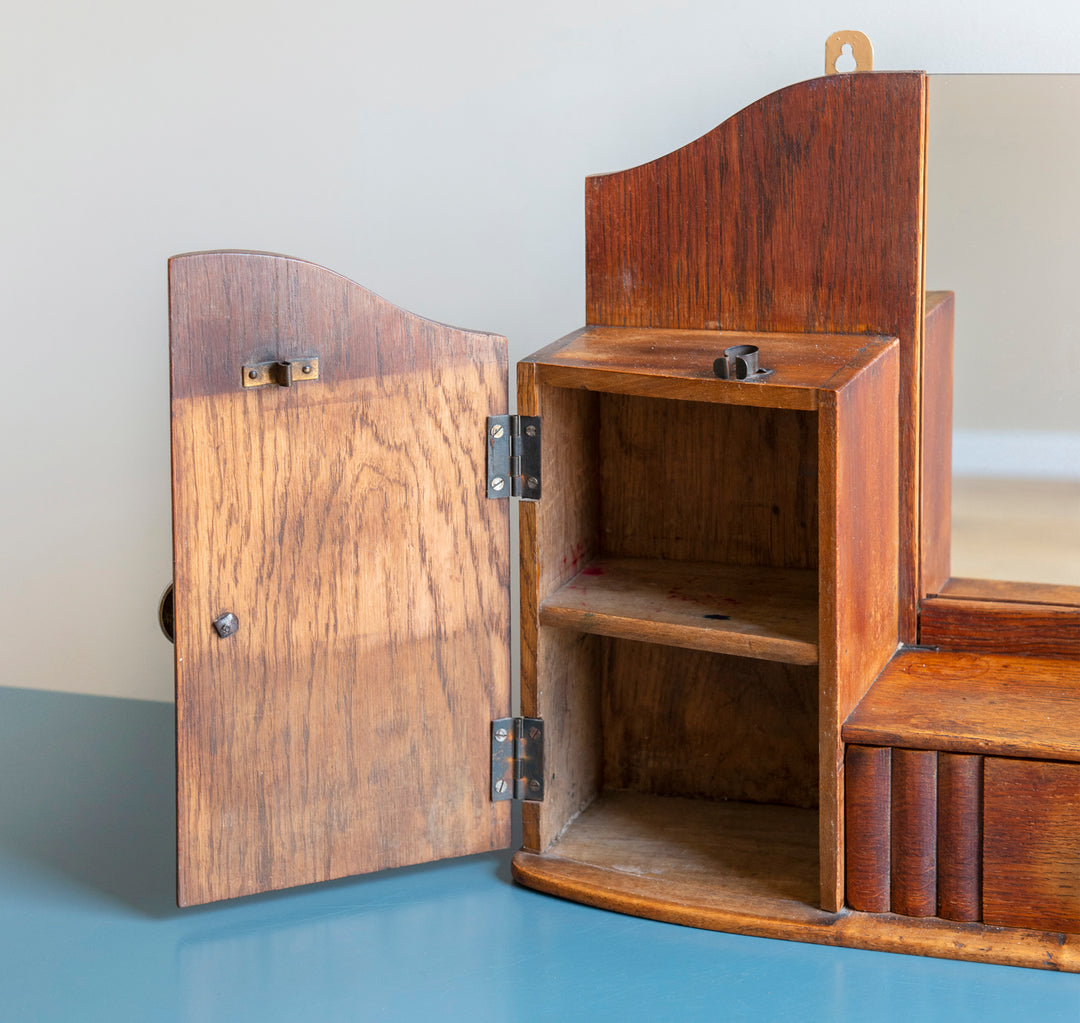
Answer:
x=802 y=213
x=345 y=726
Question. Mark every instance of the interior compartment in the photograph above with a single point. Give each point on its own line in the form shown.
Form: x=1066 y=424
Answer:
x=677 y=647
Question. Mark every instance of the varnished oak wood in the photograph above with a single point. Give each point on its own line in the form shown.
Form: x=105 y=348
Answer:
x=868 y=806
x=561 y=669
x=679 y=364
x=746 y=611
x=654 y=465
x=999 y=590
x=973 y=703
x=935 y=467
x=802 y=213
x=914 y=833
x=858 y=444
x=749 y=870
x=345 y=727
x=1000 y=627
x=697 y=481
x=1031 y=844
x=959 y=836
x=690 y=723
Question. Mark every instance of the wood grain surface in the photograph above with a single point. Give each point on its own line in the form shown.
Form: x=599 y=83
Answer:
x=868 y=807
x=767 y=613
x=1031 y=844
x=679 y=364
x=914 y=833
x=345 y=727
x=935 y=489
x=959 y=836
x=560 y=669
x=691 y=481
x=859 y=623
x=1000 y=627
x=973 y=703
x=1003 y=590
x=688 y=723
x=801 y=213
x=749 y=870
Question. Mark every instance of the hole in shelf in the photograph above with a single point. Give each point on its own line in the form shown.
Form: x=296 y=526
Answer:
x=718 y=618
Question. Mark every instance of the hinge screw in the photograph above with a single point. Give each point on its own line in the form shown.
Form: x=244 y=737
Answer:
x=530 y=431
x=534 y=786
x=534 y=733
x=533 y=482
x=497 y=431
x=501 y=786
x=498 y=483
x=501 y=735
x=307 y=368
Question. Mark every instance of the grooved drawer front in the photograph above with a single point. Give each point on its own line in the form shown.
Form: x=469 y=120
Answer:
x=1031 y=844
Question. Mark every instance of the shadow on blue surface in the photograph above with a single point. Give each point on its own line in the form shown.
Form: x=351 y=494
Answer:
x=89 y=793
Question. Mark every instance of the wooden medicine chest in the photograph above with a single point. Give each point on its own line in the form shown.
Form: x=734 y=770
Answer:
x=728 y=719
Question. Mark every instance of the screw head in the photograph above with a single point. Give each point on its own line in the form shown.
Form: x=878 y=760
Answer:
x=532 y=482
x=497 y=483
x=226 y=624
x=501 y=786
x=534 y=786
x=534 y=732
x=497 y=431
x=530 y=431
x=307 y=367
x=253 y=374
x=501 y=735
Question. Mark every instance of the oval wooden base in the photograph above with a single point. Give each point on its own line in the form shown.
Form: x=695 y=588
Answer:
x=659 y=899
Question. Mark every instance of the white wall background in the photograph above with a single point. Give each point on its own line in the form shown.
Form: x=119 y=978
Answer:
x=434 y=152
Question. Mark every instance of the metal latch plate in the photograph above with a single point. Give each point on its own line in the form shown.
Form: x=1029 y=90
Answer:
x=517 y=759
x=284 y=373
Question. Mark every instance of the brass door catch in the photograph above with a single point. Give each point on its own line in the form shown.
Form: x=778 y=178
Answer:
x=284 y=374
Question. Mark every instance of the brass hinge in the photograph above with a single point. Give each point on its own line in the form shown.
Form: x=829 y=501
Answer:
x=513 y=457
x=517 y=759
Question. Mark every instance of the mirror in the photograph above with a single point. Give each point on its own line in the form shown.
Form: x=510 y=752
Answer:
x=1003 y=233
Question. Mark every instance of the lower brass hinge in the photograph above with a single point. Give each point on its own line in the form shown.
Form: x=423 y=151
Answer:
x=513 y=457
x=517 y=759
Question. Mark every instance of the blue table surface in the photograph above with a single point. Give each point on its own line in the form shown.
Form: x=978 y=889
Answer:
x=89 y=929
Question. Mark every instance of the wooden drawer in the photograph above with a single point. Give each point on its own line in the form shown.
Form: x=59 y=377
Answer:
x=1031 y=844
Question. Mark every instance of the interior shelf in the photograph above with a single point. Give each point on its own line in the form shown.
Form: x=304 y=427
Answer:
x=765 y=613
x=758 y=859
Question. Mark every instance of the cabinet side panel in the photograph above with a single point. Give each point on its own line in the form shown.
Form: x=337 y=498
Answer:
x=803 y=212
x=859 y=621
x=344 y=725
x=560 y=669
x=1031 y=844
x=935 y=490
x=868 y=802
x=959 y=842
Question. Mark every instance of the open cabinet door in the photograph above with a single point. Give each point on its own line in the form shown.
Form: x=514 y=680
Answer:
x=334 y=504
